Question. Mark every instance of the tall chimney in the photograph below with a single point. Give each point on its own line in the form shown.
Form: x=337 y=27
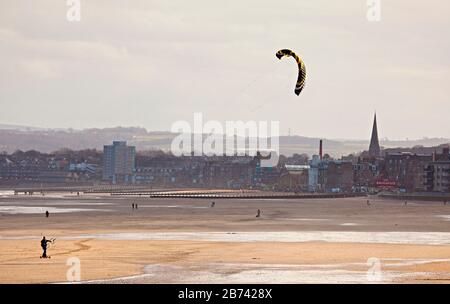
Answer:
x=320 y=149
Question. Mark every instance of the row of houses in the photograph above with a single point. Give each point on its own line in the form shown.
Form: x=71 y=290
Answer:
x=400 y=172
x=35 y=167
x=405 y=172
x=246 y=172
x=119 y=163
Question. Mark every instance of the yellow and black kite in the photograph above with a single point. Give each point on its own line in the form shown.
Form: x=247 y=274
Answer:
x=301 y=68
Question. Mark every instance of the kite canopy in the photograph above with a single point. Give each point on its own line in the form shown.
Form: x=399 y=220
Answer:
x=301 y=68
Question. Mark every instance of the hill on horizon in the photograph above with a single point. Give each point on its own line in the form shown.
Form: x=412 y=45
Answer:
x=24 y=138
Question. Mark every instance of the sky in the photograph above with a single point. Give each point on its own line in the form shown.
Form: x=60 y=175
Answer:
x=152 y=63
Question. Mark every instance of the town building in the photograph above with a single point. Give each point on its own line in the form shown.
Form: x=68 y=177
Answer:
x=335 y=176
x=437 y=177
x=295 y=178
x=313 y=173
x=230 y=171
x=366 y=174
x=119 y=163
x=407 y=170
x=437 y=172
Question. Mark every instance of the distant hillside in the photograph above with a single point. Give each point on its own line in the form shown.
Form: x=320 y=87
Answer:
x=25 y=138
x=19 y=128
x=418 y=149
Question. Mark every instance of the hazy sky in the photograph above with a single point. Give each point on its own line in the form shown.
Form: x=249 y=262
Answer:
x=150 y=63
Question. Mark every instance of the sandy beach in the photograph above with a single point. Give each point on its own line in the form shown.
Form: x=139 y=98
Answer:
x=186 y=241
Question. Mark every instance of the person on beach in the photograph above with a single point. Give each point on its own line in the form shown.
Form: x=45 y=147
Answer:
x=368 y=203
x=47 y=213
x=132 y=206
x=258 y=213
x=44 y=242
x=213 y=204
x=406 y=203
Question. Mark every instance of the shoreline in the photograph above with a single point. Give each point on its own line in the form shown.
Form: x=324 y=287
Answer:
x=354 y=237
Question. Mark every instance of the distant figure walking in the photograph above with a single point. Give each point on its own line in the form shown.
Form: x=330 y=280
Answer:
x=258 y=213
x=47 y=213
x=213 y=204
x=406 y=203
x=132 y=206
x=136 y=206
x=368 y=203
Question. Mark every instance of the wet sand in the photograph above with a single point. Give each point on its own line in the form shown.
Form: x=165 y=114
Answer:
x=184 y=240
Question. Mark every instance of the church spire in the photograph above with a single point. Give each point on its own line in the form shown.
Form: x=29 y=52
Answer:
x=374 y=148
